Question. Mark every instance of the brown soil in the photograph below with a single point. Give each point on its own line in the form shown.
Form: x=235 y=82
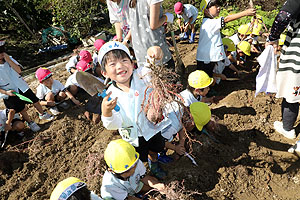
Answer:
x=251 y=162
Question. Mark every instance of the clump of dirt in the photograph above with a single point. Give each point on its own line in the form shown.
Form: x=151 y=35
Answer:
x=250 y=162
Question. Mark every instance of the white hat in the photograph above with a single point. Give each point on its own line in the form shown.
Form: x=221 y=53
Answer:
x=109 y=46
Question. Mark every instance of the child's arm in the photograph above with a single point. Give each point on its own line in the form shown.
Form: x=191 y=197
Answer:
x=153 y=183
x=231 y=66
x=7 y=92
x=155 y=20
x=10 y=117
x=248 y=12
x=72 y=97
x=13 y=65
x=222 y=76
x=186 y=28
x=119 y=31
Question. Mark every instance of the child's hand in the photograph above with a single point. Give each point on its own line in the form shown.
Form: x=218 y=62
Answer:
x=250 y=12
x=107 y=106
x=179 y=149
x=10 y=93
x=223 y=77
x=155 y=52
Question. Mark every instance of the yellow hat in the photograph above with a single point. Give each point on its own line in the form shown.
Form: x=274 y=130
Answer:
x=120 y=156
x=199 y=79
x=257 y=27
x=244 y=29
x=245 y=47
x=201 y=114
x=259 y=19
x=228 y=44
x=282 y=39
x=203 y=5
x=66 y=188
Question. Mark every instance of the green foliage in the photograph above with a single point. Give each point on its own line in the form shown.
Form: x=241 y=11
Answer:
x=33 y=17
x=75 y=15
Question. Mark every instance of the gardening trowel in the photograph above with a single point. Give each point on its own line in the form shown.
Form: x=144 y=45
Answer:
x=92 y=85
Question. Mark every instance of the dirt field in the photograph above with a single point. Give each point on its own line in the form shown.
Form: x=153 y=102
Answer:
x=251 y=162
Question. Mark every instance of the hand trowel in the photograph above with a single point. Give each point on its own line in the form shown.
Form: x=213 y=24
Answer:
x=92 y=85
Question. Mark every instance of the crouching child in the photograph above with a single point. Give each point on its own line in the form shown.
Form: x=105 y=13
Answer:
x=126 y=175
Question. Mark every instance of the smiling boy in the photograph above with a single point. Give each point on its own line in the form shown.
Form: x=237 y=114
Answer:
x=128 y=90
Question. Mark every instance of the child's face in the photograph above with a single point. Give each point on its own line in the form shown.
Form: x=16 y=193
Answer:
x=48 y=82
x=240 y=53
x=203 y=92
x=128 y=173
x=214 y=11
x=119 y=70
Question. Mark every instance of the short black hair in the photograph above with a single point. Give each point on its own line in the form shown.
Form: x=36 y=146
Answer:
x=213 y=3
x=81 y=194
x=116 y=53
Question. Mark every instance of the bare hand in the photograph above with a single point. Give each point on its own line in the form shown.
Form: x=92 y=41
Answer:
x=155 y=52
x=223 y=77
x=10 y=93
x=250 y=12
x=107 y=106
x=179 y=149
x=275 y=45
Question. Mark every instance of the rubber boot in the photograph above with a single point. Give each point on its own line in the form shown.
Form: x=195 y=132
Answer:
x=192 y=39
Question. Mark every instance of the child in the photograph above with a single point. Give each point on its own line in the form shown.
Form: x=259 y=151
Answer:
x=224 y=69
x=197 y=88
x=119 y=16
x=243 y=31
x=11 y=81
x=146 y=21
x=239 y=56
x=9 y=121
x=51 y=91
x=71 y=65
x=72 y=189
x=210 y=48
x=97 y=44
x=84 y=64
x=126 y=176
x=189 y=14
x=128 y=90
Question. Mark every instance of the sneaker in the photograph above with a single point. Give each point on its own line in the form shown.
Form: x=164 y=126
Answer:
x=33 y=126
x=54 y=110
x=3 y=137
x=156 y=170
x=278 y=126
x=46 y=116
x=295 y=147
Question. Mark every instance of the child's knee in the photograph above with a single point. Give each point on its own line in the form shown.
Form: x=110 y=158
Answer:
x=61 y=96
x=49 y=97
x=73 y=89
